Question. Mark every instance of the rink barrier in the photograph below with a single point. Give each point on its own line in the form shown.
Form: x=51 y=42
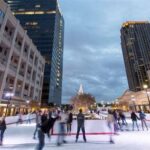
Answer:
x=14 y=119
x=92 y=127
x=18 y=121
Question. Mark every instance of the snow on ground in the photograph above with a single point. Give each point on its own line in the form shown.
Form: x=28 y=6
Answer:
x=19 y=137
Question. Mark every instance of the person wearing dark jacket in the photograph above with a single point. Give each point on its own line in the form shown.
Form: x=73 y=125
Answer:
x=134 y=118
x=80 y=125
x=69 y=123
x=143 y=119
x=43 y=129
x=52 y=118
x=37 y=121
x=2 y=129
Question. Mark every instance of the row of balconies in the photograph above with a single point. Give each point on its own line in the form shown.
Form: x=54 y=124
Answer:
x=4 y=53
x=14 y=65
x=27 y=92
x=9 y=34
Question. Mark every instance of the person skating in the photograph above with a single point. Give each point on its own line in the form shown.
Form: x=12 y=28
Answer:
x=123 y=120
x=134 y=118
x=29 y=118
x=53 y=116
x=2 y=129
x=69 y=123
x=62 y=122
x=37 y=121
x=110 y=123
x=80 y=125
x=20 y=120
x=143 y=119
x=43 y=129
x=115 y=114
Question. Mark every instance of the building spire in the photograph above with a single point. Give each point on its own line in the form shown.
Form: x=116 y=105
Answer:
x=80 y=92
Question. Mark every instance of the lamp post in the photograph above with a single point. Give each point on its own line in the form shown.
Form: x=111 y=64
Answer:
x=145 y=87
x=27 y=105
x=8 y=95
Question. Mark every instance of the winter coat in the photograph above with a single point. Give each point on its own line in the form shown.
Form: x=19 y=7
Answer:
x=80 y=120
x=3 y=125
x=70 y=118
x=134 y=117
x=142 y=115
x=110 y=118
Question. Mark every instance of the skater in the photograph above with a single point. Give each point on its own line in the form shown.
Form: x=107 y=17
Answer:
x=134 y=118
x=69 y=123
x=115 y=114
x=62 y=122
x=123 y=120
x=80 y=125
x=143 y=119
x=29 y=118
x=20 y=121
x=2 y=129
x=110 y=123
x=53 y=116
x=43 y=129
x=37 y=121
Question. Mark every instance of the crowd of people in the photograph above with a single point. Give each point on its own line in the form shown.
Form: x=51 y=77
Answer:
x=45 y=120
x=120 y=121
x=117 y=121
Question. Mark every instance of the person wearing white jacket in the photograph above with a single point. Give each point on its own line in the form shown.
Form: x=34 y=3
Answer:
x=63 y=117
x=110 y=123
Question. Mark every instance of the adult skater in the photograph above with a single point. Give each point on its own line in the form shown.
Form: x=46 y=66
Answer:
x=134 y=118
x=63 y=116
x=110 y=122
x=80 y=125
x=69 y=123
x=143 y=119
x=2 y=129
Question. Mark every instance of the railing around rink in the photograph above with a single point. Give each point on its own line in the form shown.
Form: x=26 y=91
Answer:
x=92 y=127
x=14 y=119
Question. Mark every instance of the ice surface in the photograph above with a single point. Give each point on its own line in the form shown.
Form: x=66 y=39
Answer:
x=20 y=137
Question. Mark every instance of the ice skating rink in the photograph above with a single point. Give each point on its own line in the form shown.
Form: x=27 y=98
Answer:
x=20 y=137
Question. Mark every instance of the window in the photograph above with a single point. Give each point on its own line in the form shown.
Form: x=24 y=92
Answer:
x=6 y=28
x=22 y=66
x=5 y=53
x=1 y=49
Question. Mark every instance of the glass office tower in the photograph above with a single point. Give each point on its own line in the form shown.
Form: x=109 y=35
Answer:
x=135 y=41
x=45 y=26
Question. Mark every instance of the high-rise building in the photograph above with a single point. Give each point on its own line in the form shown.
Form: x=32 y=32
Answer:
x=21 y=65
x=135 y=41
x=44 y=23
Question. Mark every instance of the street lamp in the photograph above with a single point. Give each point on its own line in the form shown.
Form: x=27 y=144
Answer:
x=145 y=87
x=8 y=95
x=27 y=105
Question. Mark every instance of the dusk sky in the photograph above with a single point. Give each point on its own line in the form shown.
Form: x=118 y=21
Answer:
x=92 y=50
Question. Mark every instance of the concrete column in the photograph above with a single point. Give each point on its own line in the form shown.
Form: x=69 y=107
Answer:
x=19 y=63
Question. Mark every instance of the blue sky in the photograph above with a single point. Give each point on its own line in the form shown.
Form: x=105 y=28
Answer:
x=92 y=50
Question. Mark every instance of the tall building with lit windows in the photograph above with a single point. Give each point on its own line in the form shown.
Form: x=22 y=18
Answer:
x=135 y=41
x=44 y=23
x=21 y=66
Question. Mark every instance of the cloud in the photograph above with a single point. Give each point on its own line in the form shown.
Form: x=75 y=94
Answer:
x=92 y=50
